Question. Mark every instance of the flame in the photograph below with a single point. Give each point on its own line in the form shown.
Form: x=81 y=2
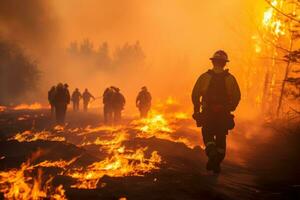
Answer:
x=34 y=106
x=29 y=136
x=2 y=108
x=16 y=184
x=155 y=123
x=120 y=160
x=181 y=115
x=59 y=164
x=121 y=163
x=271 y=22
x=171 y=101
x=110 y=145
x=158 y=126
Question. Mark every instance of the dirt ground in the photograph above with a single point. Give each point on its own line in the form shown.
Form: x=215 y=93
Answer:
x=262 y=162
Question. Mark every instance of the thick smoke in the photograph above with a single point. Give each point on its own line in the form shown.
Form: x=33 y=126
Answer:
x=176 y=37
x=30 y=23
x=28 y=32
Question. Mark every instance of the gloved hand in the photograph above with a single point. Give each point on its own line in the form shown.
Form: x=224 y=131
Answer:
x=196 y=115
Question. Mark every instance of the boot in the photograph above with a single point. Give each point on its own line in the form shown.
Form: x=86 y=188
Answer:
x=217 y=162
x=211 y=152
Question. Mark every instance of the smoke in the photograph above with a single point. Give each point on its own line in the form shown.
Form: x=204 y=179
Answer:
x=31 y=23
x=177 y=38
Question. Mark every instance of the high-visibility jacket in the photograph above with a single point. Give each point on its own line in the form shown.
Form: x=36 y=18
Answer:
x=202 y=84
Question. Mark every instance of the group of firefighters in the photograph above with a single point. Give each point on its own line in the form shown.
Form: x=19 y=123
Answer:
x=215 y=96
x=113 y=100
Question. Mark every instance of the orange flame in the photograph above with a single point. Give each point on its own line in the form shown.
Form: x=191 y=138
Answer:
x=34 y=106
x=15 y=184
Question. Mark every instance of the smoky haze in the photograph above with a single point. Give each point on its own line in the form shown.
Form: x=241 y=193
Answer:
x=177 y=38
x=31 y=23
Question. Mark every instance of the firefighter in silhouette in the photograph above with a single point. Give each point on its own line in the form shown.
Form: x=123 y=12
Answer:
x=51 y=96
x=108 y=104
x=61 y=101
x=143 y=102
x=86 y=96
x=220 y=95
x=66 y=87
x=76 y=95
x=118 y=102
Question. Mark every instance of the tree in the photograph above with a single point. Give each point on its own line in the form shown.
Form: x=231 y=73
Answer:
x=103 y=57
x=86 y=48
x=19 y=75
x=280 y=33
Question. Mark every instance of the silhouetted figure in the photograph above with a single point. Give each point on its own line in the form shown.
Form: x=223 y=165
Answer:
x=51 y=96
x=118 y=104
x=66 y=86
x=86 y=96
x=220 y=95
x=76 y=95
x=143 y=102
x=61 y=101
x=108 y=105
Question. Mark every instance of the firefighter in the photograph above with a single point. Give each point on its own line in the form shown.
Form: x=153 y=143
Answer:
x=68 y=96
x=86 y=96
x=76 y=95
x=108 y=107
x=220 y=95
x=61 y=101
x=118 y=103
x=51 y=96
x=143 y=102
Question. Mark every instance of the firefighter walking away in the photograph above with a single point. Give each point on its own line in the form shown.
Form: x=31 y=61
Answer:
x=118 y=102
x=217 y=94
x=51 y=99
x=108 y=105
x=86 y=96
x=61 y=101
x=76 y=95
x=143 y=102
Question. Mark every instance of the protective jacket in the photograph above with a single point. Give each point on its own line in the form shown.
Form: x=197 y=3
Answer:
x=87 y=96
x=76 y=96
x=144 y=99
x=202 y=85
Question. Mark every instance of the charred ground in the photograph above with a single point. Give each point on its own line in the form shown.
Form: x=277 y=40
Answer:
x=262 y=162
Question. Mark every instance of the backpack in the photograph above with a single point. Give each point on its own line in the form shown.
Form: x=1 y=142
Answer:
x=217 y=100
x=216 y=95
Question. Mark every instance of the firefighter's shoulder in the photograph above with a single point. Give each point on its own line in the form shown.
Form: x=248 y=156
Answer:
x=230 y=77
x=204 y=76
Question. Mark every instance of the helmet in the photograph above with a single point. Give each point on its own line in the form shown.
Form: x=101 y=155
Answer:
x=220 y=55
x=144 y=88
x=66 y=85
x=59 y=85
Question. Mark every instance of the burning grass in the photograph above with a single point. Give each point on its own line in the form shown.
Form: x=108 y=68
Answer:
x=22 y=184
x=113 y=157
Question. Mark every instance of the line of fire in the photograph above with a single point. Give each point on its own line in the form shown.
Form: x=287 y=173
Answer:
x=150 y=99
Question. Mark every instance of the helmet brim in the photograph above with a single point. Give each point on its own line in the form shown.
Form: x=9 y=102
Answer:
x=219 y=59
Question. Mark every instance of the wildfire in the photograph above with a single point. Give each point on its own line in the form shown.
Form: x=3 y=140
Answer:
x=2 y=108
x=121 y=163
x=271 y=22
x=34 y=106
x=29 y=136
x=59 y=164
x=112 y=144
x=158 y=126
x=120 y=160
x=16 y=184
